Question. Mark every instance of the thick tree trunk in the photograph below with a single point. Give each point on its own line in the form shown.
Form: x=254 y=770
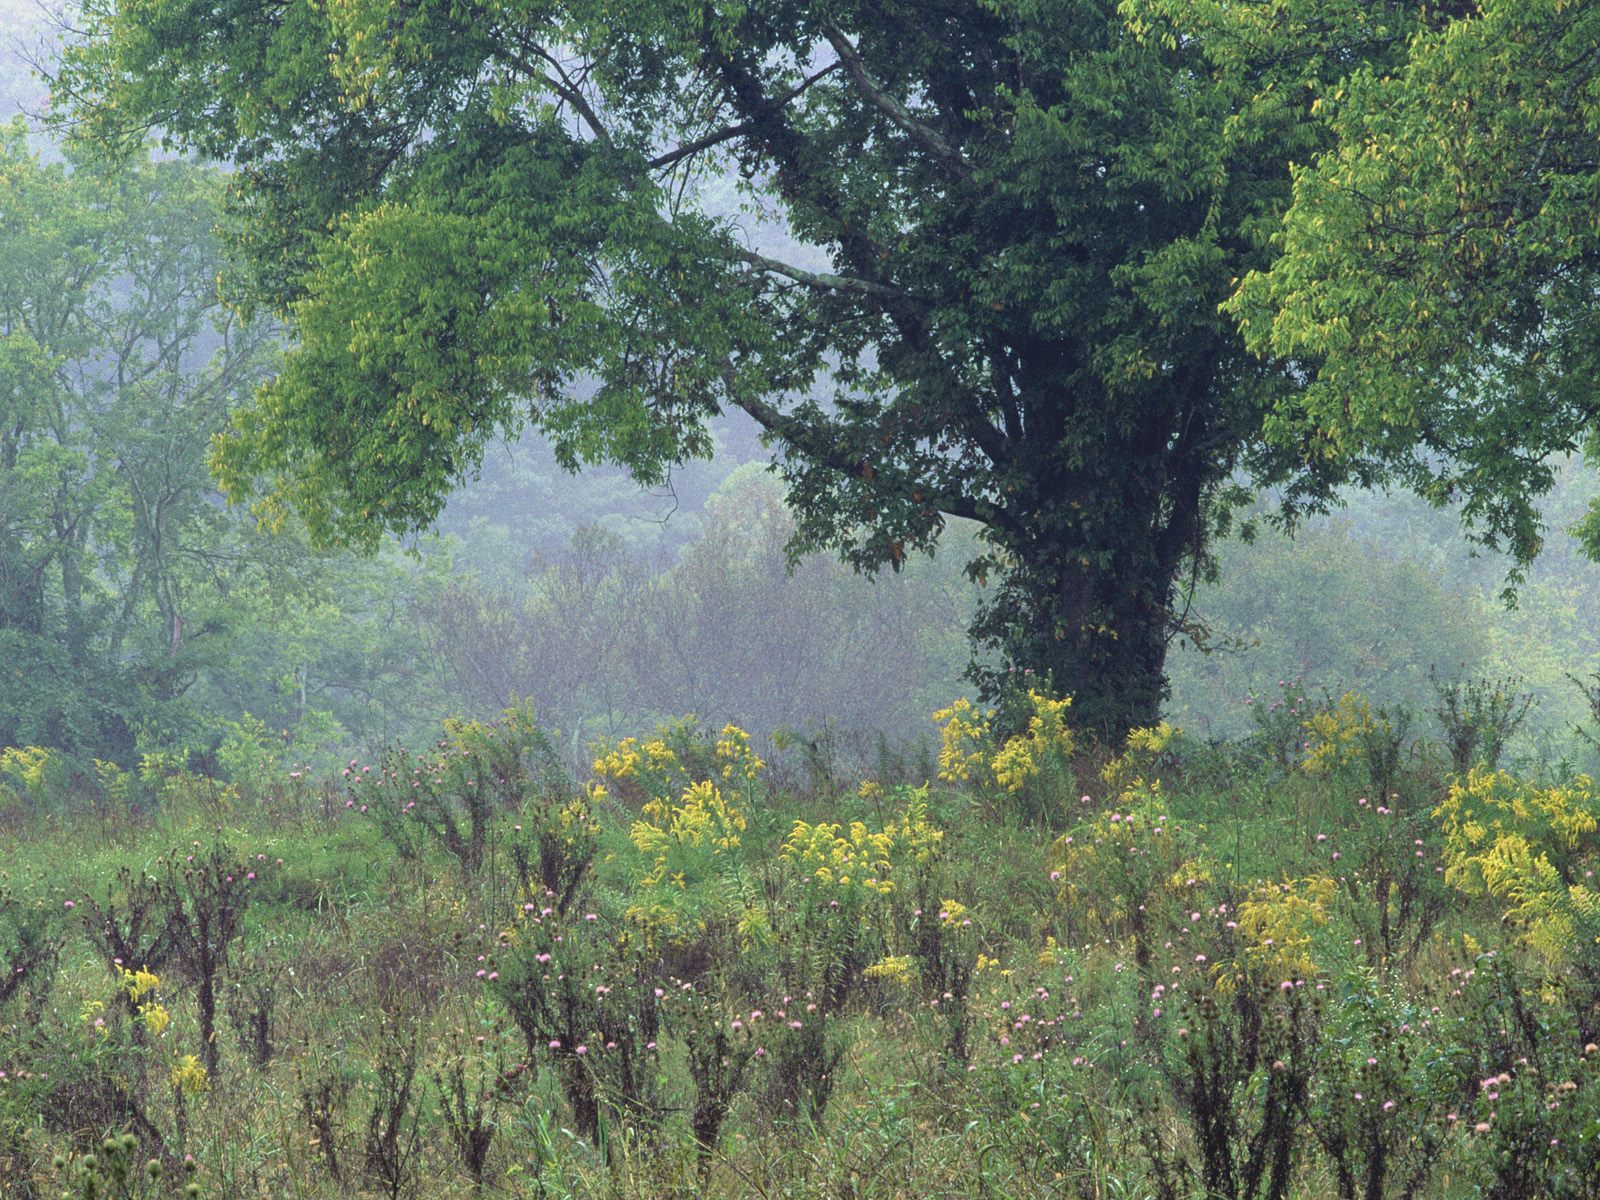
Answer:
x=1105 y=643
x=1087 y=598
x=1117 y=659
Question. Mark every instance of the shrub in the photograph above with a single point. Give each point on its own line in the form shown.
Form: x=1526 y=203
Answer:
x=583 y=993
x=203 y=898
x=1385 y=1071
x=1479 y=717
x=453 y=795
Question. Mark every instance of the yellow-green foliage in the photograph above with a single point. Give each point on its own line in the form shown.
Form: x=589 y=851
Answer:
x=1276 y=925
x=116 y=784
x=171 y=783
x=1532 y=848
x=1335 y=735
x=249 y=752
x=31 y=774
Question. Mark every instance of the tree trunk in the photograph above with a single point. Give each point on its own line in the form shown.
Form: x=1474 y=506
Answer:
x=1086 y=595
x=1107 y=644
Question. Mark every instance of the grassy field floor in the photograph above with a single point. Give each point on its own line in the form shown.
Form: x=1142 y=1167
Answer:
x=1328 y=962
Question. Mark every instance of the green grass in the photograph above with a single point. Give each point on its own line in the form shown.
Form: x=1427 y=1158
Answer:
x=363 y=959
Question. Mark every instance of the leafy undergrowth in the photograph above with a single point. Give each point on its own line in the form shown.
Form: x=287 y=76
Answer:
x=1321 y=963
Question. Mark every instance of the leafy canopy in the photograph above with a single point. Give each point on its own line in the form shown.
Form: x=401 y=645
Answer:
x=1437 y=274
x=969 y=264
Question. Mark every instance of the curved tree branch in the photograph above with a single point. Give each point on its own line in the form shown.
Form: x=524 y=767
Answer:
x=929 y=138
x=672 y=157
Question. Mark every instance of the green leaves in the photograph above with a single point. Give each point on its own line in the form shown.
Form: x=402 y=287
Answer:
x=1437 y=265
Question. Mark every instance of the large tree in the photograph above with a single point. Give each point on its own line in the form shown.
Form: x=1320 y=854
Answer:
x=1007 y=227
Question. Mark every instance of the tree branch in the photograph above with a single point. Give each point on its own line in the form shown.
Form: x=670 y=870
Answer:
x=924 y=135
x=823 y=281
x=672 y=157
x=563 y=87
x=816 y=445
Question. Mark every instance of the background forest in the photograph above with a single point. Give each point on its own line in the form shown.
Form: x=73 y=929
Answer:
x=148 y=618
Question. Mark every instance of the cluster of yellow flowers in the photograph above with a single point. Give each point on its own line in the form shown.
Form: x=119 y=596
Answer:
x=1276 y=922
x=856 y=857
x=738 y=760
x=139 y=985
x=29 y=771
x=1022 y=757
x=860 y=858
x=964 y=743
x=894 y=968
x=1049 y=956
x=630 y=756
x=688 y=826
x=701 y=819
x=1533 y=847
x=1334 y=735
x=156 y=1018
x=967 y=753
x=652 y=768
x=189 y=1076
x=1125 y=776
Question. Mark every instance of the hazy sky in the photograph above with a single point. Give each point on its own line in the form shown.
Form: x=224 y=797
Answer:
x=22 y=24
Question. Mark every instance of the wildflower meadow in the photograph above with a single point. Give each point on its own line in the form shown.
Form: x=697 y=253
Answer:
x=1334 y=959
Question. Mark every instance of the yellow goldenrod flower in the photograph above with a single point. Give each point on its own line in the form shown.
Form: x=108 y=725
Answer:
x=963 y=742
x=895 y=968
x=734 y=752
x=1531 y=847
x=156 y=1018
x=140 y=983
x=188 y=1076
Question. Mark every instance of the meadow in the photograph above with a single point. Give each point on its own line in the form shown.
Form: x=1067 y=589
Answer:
x=1345 y=956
